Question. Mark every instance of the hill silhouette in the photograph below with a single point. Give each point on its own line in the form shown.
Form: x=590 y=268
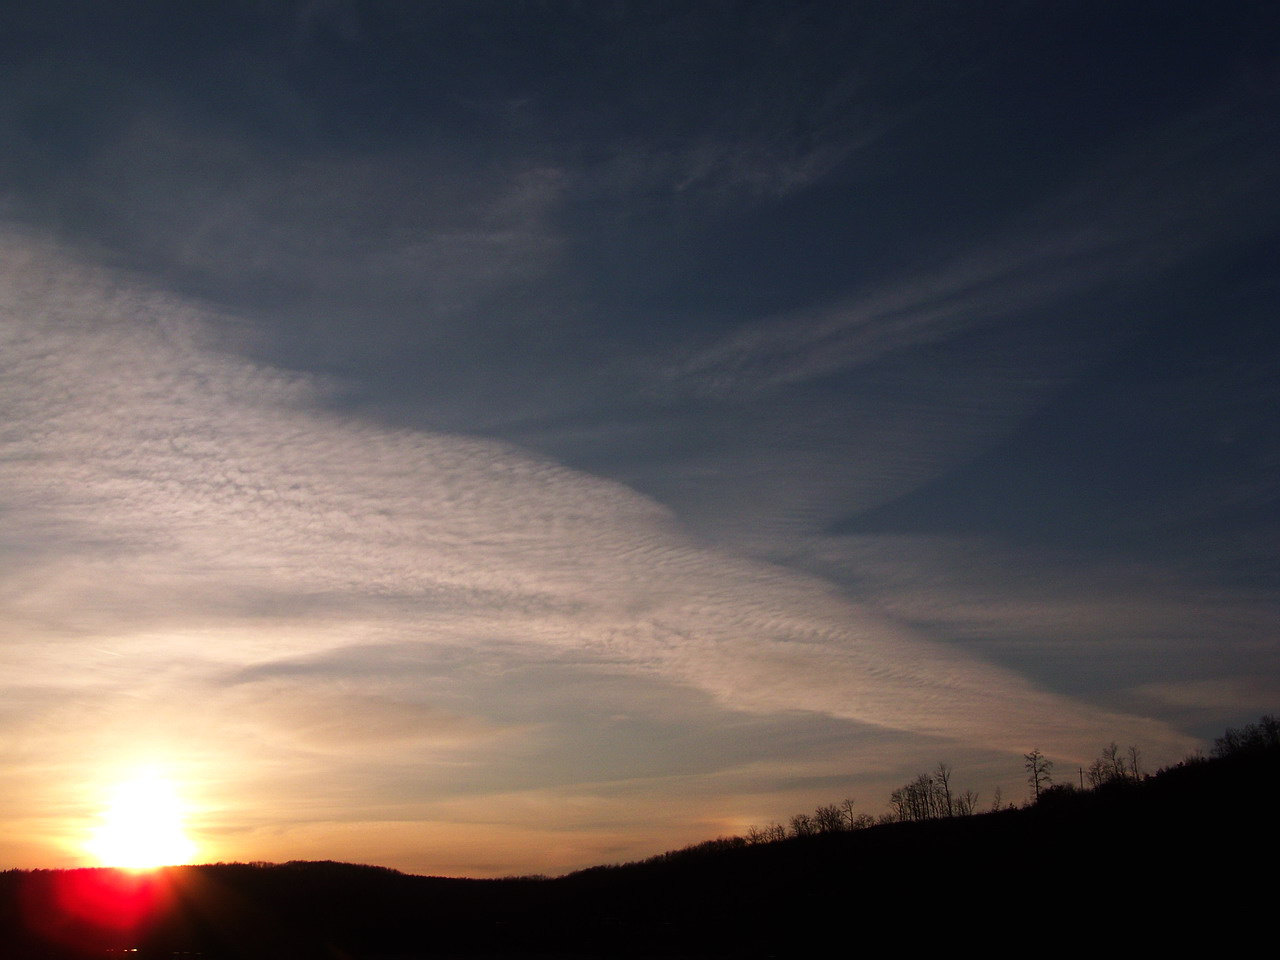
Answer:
x=1181 y=860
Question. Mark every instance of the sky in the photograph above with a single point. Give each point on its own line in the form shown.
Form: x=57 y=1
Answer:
x=488 y=438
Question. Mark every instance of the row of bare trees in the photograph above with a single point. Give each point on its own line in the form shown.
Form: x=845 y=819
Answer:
x=832 y=818
x=930 y=796
x=1255 y=737
x=1115 y=767
x=933 y=795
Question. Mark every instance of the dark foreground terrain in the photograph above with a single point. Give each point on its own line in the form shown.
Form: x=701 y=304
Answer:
x=1185 y=859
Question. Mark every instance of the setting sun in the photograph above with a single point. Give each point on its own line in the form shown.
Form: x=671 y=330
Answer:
x=142 y=826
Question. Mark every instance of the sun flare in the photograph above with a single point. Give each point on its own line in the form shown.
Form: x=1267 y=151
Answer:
x=142 y=826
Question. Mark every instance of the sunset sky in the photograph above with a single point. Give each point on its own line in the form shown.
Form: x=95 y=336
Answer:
x=484 y=438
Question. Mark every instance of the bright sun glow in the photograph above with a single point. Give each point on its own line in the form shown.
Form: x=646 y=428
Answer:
x=142 y=827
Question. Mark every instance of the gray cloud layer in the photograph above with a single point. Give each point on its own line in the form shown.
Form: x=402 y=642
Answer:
x=172 y=504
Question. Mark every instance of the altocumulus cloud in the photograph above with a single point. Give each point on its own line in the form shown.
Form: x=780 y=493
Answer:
x=195 y=546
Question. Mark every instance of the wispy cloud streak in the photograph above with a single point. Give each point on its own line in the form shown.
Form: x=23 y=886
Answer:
x=1124 y=224
x=173 y=503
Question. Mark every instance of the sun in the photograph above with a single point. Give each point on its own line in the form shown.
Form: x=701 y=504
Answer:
x=142 y=826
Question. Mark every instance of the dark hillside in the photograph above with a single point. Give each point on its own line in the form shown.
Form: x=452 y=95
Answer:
x=1184 y=858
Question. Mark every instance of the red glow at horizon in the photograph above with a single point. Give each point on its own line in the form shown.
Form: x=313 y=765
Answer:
x=90 y=908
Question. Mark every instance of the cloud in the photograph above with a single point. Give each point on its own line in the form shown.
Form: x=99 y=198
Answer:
x=1122 y=223
x=1125 y=633
x=316 y=620
x=170 y=494
x=1213 y=699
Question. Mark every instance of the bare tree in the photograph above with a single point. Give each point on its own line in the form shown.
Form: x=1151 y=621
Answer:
x=1251 y=738
x=1114 y=761
x=1099 y=773
x=1135 y=763
x=921 y=799
x=899 y=805
x=846 y=810
x=921 y=802
x=965 y=804
x=1112 y=767
x=802 y=825
x=996 y=800
x=1039 y=771
x=828 y=819
x=942 y=790
x=771 y=833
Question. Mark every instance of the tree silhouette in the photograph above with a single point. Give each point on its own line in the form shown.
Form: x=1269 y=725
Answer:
x=1135 y=762
x=942 y=789
x=1038 y=768
x=965 y=804
x=850 y=818
x=828 y=819
x=1251 y=738
x=802 y=825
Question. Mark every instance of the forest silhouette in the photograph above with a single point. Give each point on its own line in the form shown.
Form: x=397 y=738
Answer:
x=1180 y=859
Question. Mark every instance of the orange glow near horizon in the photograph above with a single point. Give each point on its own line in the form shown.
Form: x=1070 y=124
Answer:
x=142 y=826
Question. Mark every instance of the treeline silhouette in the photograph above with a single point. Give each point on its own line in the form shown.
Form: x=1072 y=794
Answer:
x=1176 y=860
x=933 y=795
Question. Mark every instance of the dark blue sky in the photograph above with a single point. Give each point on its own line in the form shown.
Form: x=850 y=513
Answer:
x=959 y=320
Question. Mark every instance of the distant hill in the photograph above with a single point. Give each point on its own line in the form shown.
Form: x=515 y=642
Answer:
x=1184 y=859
